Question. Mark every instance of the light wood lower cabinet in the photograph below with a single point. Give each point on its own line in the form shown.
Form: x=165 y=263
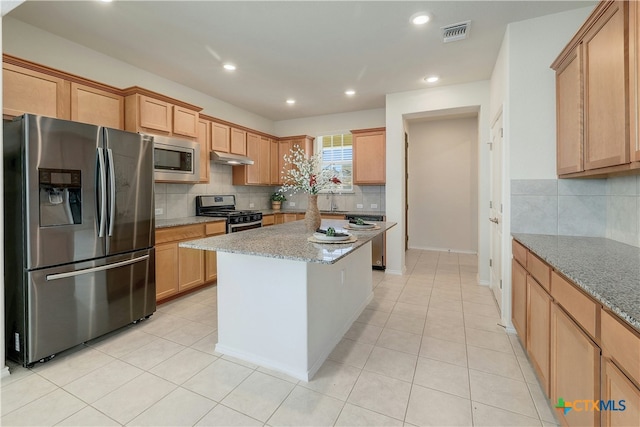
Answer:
x=268 y=220
x=519 y=299
x=180 y=269
x=575 y=370
x=621 y=396
x=537 y=330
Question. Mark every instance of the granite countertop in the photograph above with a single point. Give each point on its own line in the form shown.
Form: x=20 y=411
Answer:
x=287 y=241
x=187 y=220
x=607 y=270
x=301 y=211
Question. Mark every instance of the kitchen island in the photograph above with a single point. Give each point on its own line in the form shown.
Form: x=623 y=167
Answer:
x=285 y=302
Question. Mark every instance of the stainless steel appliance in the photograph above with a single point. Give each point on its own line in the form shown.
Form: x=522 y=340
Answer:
x=225 y=207
x=175 y=159
x=79 y=234
x=377 y=244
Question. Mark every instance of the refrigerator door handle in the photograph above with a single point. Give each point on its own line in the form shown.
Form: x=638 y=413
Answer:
x=112 y=185
x=94 y=269
x=102 y=178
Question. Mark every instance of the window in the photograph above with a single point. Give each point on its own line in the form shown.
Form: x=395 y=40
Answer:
x=336 y=152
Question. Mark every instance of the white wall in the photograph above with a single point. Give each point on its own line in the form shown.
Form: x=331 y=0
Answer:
x=400 y=105
x=322 y=125
x=442 y=187
x=31 y=43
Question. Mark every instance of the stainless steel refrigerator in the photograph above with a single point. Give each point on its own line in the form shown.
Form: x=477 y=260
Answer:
x=79 y=234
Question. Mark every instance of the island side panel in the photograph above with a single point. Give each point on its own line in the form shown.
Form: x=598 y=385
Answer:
x=262 y=311
x=337 y=295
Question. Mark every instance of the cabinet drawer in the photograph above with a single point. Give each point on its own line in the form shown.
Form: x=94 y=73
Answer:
x=539 y=269
x=582 y=308
x=185 y=232
x=622 y=344
x=519 y=253
x=212 y=228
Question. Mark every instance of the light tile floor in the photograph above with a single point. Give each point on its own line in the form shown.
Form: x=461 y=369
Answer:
x=427 y=351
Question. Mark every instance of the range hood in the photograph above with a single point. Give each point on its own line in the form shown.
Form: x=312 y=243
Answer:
x=230 y=159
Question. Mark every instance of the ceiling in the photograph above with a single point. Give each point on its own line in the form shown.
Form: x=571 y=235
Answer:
x=311 y=51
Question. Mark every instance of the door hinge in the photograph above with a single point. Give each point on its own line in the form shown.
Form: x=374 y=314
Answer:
x=490 y=204
x=500 y=283
x=501 y=132
x=500 y=207
x=490 y=262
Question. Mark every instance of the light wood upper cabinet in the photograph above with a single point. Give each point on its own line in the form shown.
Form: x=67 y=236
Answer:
x=29 y=91
x=97 y=107
x=204 y=139
x=238 y=142
x=220 y=137
x=274 y=162
x=634 y=74
x=264 y=160
x=569 y=113
x=284 y=148
x=369 y=159
x=154 y=114
x=605 y=74
x=185 y=121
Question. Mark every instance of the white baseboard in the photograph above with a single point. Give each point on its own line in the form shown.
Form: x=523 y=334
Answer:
x=5 y=372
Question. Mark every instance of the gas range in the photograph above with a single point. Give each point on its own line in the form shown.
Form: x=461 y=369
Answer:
x=225 y=207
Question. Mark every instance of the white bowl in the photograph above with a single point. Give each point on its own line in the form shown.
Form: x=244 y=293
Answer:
x=322 y=236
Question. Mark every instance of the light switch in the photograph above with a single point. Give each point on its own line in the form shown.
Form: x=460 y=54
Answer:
x=292 y=204
x=359 y=206
x=251 y=205
x=159 y=211
x=374 y=206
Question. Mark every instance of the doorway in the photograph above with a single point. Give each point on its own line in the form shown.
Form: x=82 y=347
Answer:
x=495 y=211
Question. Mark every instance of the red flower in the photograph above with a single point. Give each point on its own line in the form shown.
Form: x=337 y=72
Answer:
x=312 y=180
x=335 y=180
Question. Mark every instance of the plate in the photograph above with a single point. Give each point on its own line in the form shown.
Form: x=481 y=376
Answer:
x=362 y=227
x=321 y=236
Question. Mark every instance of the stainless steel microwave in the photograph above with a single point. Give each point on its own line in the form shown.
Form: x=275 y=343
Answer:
x=176 y=160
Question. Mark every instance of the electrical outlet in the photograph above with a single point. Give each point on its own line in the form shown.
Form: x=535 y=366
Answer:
x=251 y=205
x=359 y=206
x=292 y=204
x=159 y=211
x=374 y=206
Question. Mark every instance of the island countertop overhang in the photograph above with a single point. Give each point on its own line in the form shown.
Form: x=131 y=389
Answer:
x=288 y=241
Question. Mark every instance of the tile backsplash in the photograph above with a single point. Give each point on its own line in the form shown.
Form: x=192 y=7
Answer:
x=578 y=207
x=178 y=200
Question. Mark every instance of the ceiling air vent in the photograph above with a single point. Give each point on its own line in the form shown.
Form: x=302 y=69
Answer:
x=455 y=32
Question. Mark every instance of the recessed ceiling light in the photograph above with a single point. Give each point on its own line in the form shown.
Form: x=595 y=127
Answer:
x=229 y=67
x=420 y=18
x=431 y=79
x=291 y=101
x=350 y=92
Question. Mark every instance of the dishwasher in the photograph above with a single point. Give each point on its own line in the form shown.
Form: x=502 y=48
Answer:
x=377 y=244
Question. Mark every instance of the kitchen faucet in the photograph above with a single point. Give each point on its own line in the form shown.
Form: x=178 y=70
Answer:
x=333 y=207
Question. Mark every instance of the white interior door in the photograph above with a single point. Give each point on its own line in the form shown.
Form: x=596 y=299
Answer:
x=495 y=210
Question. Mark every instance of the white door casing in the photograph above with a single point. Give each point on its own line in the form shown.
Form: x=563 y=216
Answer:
x=495 y=210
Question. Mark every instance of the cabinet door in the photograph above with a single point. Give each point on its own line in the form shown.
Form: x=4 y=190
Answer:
x=634 y=76
x=154 y=114
x=204 y=136
x=97 y=107
x=265 y=161
x=622 y=396
x=569 y=114
x=274 y=162
x=27 y=91
x=538 y=320
x=253 y=152
x=220 y=137
x=606 y=132
x=575 y=369
x=166 y=270
x=278 y=218
x=211 y=266
x=289 y=217
x=284 y=148
x=238 y=141
x=369 y=160
x=190 y=268
x=185 y=122
x=519 y=299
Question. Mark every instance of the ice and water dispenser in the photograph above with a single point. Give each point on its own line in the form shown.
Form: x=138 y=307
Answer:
x=60 y=197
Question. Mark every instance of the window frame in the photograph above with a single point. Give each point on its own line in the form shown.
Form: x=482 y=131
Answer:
x=318 y=150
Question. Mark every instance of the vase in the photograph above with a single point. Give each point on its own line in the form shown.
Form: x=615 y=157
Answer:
x=275 y=205
x=312 y=218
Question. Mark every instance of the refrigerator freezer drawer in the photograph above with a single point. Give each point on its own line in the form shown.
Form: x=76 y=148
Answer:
x=68 y=305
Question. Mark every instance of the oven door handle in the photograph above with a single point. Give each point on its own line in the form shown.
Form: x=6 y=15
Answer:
x=244 y=225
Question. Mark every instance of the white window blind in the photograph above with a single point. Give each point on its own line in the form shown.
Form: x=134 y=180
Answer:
x=336 y=152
